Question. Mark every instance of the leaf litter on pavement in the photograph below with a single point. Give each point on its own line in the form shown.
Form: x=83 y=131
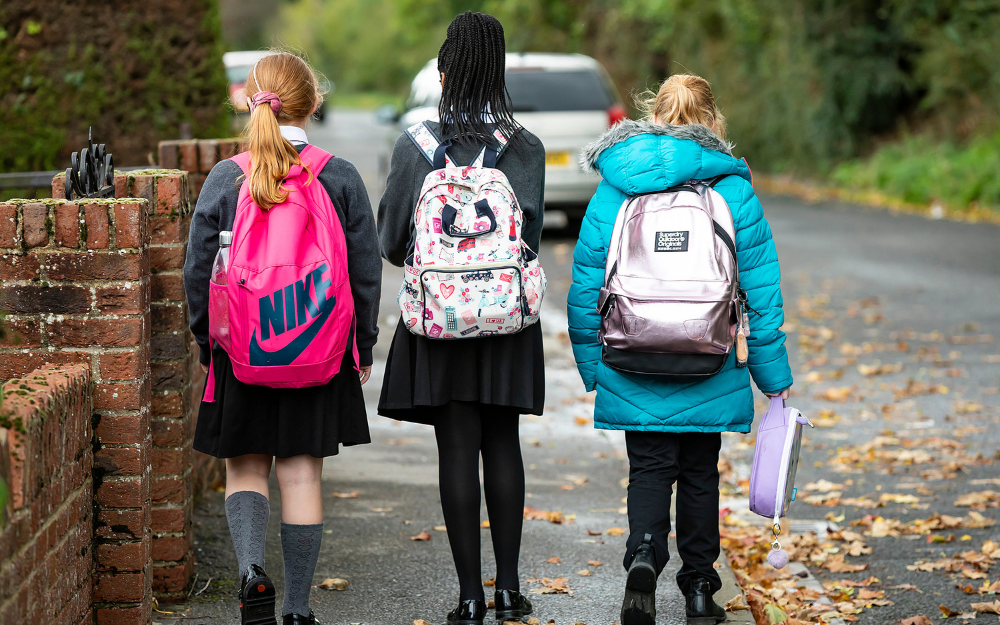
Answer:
x=925 y=438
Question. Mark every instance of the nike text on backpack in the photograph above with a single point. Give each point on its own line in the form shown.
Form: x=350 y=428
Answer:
x=287 y=292
x=775 y=461
x=470 y=275
x=671 y=304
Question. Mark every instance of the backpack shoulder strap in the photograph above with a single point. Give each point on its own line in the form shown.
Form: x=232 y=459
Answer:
x=488 y=156
x=428 y=144
x=711 y=182
x=243 y=160
x=315 y=158
x=719 y=230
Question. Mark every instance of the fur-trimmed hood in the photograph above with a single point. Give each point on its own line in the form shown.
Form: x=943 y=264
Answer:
x=640 y=157
x=629 y=128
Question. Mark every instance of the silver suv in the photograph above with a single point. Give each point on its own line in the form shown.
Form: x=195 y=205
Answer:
x=566 y=100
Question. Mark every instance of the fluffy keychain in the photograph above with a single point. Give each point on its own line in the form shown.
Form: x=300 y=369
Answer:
x=777 y=557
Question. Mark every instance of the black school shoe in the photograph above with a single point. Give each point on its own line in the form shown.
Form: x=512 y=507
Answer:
x=256 y=597
x=298 y=619
x=639 y=606
x=510 y=605
x=468 y=612
x=701 y=607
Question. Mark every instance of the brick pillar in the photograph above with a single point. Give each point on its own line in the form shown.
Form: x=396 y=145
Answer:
x=177 y=380
x=76 y=288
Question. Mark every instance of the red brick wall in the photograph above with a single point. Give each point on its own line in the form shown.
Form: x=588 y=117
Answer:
x=178 y=475
x=100 y=283
x=176 y=380
x=77 y=289
x=46 y=555
x=197 y=157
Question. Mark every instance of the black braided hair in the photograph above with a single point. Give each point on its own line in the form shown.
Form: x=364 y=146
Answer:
x=472 y=58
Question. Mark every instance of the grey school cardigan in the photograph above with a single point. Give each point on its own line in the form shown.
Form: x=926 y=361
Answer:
x=216 y=210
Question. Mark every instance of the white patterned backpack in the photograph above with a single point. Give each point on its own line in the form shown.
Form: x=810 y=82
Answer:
x=470 y=275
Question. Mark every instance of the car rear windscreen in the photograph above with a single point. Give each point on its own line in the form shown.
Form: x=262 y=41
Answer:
x=238 y=74
x=558 y=91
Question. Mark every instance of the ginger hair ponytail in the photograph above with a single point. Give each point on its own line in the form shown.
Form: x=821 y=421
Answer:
x=684 y=99
x=282 y=88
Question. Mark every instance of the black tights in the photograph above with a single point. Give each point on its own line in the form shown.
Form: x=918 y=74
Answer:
x=463 y=431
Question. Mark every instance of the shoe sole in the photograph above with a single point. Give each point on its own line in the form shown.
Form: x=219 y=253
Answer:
x=513 y=615
x=258 y=606
x=705 y=620
x=641 y=578
x=638 y=608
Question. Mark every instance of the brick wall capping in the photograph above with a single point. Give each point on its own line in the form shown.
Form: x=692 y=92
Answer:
x=17 y=201
x=106 y=201
x=159 y=173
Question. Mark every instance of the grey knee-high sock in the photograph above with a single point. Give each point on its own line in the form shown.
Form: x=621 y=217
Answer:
x=300 y=550
x=247 y=512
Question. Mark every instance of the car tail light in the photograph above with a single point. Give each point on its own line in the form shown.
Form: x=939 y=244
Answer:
x=616 y=113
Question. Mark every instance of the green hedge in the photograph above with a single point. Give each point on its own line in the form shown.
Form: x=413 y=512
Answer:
x=134 y=70
x=920 y=171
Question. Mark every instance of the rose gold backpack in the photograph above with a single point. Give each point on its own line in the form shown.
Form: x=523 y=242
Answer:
x=671 y=304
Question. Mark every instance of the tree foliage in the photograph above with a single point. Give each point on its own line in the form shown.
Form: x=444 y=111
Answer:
x=805 y=83
x=133 y=70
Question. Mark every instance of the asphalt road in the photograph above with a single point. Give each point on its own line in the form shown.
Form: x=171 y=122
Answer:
x=936 y=287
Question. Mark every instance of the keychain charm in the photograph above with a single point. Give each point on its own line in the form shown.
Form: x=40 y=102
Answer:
x=777 y=557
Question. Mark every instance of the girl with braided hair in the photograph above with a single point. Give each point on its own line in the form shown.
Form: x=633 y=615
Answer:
x=472 y=391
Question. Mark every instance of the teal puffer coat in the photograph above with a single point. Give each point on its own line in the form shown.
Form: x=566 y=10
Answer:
x=639 y=157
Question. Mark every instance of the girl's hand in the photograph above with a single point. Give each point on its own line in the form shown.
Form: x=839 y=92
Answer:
x=204 y=367
x=783 y=394
x=366 y=373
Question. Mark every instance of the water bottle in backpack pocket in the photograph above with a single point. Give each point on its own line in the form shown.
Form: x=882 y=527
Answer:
x=218 y=293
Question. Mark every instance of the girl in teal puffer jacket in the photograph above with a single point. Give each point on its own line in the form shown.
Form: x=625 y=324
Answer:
x=673 y=429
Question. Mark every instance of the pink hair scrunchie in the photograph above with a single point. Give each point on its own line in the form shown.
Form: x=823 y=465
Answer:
x=262 y=97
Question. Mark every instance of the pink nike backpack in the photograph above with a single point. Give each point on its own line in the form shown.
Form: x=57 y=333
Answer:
x=291 y=311
x=775 y=461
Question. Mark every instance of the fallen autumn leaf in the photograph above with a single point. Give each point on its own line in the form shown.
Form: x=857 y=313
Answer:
x=334 y=583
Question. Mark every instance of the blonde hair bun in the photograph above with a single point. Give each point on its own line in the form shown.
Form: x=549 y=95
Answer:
x=681 y=100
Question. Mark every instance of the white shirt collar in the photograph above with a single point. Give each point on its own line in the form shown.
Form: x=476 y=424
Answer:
x=293 y=134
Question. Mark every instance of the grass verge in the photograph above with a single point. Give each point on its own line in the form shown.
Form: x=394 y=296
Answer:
x=917 y=175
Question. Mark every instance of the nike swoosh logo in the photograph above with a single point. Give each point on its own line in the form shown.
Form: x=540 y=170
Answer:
x=259 y=357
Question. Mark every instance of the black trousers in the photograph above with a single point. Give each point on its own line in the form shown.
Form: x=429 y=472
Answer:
x=656 y=461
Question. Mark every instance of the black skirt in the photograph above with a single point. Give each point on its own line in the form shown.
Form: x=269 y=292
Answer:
x=423 y=374
x=281 y=422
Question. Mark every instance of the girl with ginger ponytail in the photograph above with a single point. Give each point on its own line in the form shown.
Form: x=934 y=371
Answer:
x=271 y=154
x=293 y=425
x=673 y=426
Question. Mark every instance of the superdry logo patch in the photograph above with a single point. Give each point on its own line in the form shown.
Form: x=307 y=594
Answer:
x=672 y=241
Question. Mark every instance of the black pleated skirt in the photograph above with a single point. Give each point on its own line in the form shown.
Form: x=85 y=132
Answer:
x=423 y=374
x=281 y=422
